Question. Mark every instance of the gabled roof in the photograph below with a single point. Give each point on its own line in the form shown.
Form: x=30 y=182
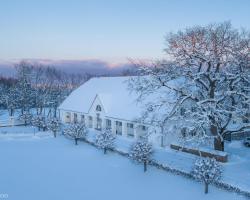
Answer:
x=113 y=92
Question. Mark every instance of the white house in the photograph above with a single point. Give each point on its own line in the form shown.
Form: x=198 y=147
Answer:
x=106 y=102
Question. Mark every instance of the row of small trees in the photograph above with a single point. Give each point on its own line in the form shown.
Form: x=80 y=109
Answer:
x=206 y=170
x=141 y=151
x=41 y=122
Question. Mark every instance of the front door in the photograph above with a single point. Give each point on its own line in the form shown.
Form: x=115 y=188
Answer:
x=98 y=122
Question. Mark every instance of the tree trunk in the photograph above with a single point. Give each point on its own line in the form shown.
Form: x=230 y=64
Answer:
x=162 y=141
x=218 y=144
x=105 y=150
x=162 y=137
x=41 y=110
x=145 y=166
x=54 y=112
x=49 y=113
x=54 y=134
x=11 y=112
x=76 y=140
x=206 y=188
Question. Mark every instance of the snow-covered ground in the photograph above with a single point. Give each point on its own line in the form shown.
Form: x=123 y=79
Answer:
x=236 y=171
x=42 y=167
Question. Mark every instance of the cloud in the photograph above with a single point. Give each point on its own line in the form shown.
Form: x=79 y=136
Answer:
x=94 y=67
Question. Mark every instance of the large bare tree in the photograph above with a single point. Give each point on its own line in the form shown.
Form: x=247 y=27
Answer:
x=211 y=66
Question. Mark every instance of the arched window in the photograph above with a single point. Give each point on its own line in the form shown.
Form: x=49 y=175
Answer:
x=98 y=108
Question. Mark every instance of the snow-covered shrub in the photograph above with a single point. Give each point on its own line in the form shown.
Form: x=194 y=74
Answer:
x=141 y=152
x=207 y=170
x=39 y=122
x=25 y=117
x=105 y=140
x=76 y=131
x=54 y=125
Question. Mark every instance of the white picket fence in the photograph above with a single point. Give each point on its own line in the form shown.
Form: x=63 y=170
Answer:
x=12 y=121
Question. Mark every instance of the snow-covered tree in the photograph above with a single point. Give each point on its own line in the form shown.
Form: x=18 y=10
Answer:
x=207 y=170
x=2 y=91
x=25 y=93
x=11 y=99
x=26 y=117
x=105 y=140
x=209 y=77
x=141 y=152
x=54 y=125
x=76 y=131
x=39 y=122
x=8 y=94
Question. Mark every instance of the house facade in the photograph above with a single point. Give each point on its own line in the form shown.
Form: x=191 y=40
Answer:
x=105 y=102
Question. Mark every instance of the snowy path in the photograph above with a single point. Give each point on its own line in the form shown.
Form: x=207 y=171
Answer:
x=47 y=168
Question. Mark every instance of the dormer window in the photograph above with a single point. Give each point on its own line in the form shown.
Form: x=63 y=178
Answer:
x=98 y=108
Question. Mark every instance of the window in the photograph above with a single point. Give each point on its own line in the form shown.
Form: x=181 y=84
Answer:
x=130 y=125
x=82 y=118
x=144 y=128
x=118 y=123
x=90 y=122
x=98 y=122
x=130 y=129
x=67 y=115
x=75 y=117
x=108 y=123
x=98 y=108
x=118 y=128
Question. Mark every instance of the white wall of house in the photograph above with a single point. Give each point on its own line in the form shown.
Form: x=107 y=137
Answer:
x=118 y=126
x=96 y=118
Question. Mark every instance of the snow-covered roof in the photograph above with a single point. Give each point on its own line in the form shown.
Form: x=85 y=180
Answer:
x=117 y=100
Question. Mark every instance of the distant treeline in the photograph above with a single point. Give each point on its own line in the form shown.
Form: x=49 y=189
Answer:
x=37 y=86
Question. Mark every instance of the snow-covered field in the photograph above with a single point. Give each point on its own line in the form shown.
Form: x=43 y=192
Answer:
x=42 y=167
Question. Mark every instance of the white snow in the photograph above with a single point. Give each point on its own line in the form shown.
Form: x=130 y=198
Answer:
x=38 y=167
x=235 y=172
